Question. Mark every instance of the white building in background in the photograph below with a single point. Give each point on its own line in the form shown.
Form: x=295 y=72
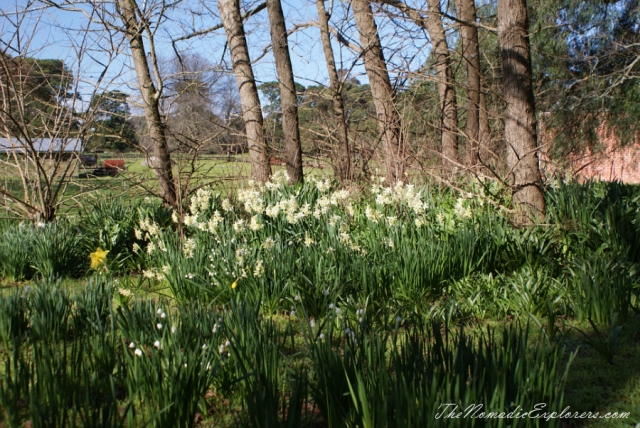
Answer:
x=41 y=146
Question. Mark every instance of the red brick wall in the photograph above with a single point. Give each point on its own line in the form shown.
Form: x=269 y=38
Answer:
x=612 y=162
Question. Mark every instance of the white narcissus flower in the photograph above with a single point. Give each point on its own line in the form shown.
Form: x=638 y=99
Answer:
x=268 y=243
x=273 y=211
x=159 y=326
x=258 y=270
x=124 y=292
x=157 y=344
x=372 y=215
x=190 y=220
x=226 y=205
x=132 y=345
x=308 y=240
x=214 y=221
x=138 y=352
x=238 y=226
x=255 y=225
x=188 y=247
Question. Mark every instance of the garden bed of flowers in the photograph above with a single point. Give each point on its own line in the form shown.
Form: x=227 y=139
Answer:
x=311 y=305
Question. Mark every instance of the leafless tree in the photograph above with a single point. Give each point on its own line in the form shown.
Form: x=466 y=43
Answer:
x=444 y=74
x=198 y=104
x=446 y=87
x=135 y=25
x=44 y=120
x=250 y=102
x=288 y=97
x=342 y=133
x=384 y=97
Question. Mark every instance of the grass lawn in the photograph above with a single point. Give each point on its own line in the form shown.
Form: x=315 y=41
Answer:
x=224 y=174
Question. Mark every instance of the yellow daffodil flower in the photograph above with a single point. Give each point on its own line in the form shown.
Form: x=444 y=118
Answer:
x=98 y=258
x=235 y=284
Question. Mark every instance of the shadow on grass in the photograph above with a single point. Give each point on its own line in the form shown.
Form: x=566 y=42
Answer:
x=595 y=385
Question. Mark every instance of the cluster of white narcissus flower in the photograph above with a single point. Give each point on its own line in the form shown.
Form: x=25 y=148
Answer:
x=147 y=230
x=137 y=351
x=153 y=273
x=258 y=270
x=400 y=193
x=253 y=198
x=223 y=349
x=460 y=209
x=188 y=247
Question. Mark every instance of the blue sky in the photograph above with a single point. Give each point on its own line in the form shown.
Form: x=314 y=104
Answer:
x=58 y=34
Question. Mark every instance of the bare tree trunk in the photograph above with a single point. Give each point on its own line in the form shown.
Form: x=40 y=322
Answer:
x=471 y=56
x=249 y=100
x=344 y=163
x=151 y=100
x=446 y=89
x=519 y=116
x=484 y=133
x=381 y=90
x=288 y=98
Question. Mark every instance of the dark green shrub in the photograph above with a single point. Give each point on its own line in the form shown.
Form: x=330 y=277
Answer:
x=57 y=250
x=16 y=247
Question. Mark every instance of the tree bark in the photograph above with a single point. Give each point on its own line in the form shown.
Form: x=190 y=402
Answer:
x=151 y=99
x=249 y=100
x=471 y=56
x=444 y=74
x=446 y=89
x=519 y=114
x=381 y=91
x=342 y=134
x=485 y=151
x=288 y=98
